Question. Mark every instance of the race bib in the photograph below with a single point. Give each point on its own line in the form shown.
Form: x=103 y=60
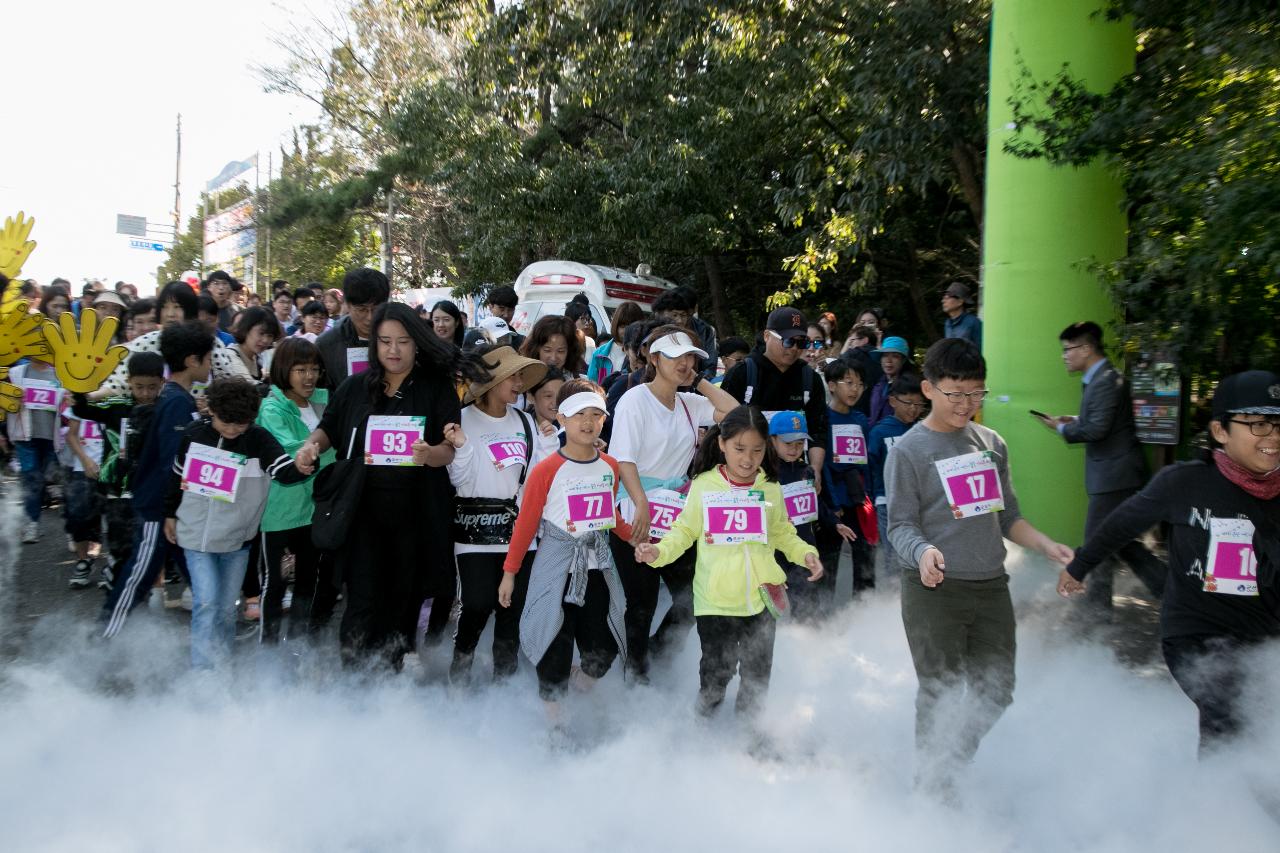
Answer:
x=801 y=500
x=590 y=504
x=388 y=439
x=971 y=483
x=848 y=444
x=506 y=450
x=40 y=396
x=664 y=507
x=732 y=518
x=212 y=472
x=357 y=360
x=1233 y=567
x=93 y=439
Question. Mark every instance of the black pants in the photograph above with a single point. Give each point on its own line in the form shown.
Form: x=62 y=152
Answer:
x=1209 y=670
x=120 y=526
x=1149 y=568
x=640 y=584
x=830 y=544
x=588 y=626
x=806 y=597
x=381 y=567
x=314 y=590
x=735 y=644
x=479 y=576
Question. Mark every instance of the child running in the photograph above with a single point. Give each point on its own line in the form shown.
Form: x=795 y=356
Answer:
x=789 y=437
x=951 y=506
x=492 y=448
x=574 y=594
x=1222 y=596
x=217 y=493
x=735 y=513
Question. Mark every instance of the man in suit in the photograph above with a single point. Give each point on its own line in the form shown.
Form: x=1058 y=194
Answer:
x=1114 y=467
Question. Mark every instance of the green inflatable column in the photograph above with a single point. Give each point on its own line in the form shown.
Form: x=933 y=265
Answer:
x=1044 y=225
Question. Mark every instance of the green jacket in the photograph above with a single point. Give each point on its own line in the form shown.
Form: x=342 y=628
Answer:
x=726 y=578
x=290 y=506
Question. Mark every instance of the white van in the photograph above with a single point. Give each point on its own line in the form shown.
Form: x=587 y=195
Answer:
x=545 y=287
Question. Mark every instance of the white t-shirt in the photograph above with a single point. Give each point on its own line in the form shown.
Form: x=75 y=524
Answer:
x=475 y=471
x=309 y=416
x=92 y=438
x=543 y=445
x=659 y=441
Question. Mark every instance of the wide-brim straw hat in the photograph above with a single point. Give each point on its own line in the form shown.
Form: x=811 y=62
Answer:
x=503 y=363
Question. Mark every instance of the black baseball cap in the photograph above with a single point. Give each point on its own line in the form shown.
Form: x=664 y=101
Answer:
x=959 y=290
x=1254 y=392
x=787 y=323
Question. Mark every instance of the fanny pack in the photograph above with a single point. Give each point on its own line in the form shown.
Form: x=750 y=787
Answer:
x=484 y=521
x=491 y=521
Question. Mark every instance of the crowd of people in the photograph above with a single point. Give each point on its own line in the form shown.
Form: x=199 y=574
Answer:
x=335 y=450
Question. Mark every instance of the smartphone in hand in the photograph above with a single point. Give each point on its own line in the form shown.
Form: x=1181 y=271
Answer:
x=1037 y=414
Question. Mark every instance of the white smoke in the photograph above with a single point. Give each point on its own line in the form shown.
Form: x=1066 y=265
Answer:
x=119 y=748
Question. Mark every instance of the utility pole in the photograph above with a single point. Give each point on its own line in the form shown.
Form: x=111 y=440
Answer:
x=177 y=185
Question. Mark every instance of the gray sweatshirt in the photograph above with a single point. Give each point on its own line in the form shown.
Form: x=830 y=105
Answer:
x=921 y=515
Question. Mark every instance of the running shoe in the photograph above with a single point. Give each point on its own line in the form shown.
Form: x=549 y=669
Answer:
x=108 y=577
x=186 y=599
x=80 y=576
x=30 y=533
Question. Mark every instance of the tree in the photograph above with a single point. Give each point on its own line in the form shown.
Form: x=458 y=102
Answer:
x=1194 y=133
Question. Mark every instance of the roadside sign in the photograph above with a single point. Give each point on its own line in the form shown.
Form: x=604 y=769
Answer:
x=132 y=226
x=147 y=244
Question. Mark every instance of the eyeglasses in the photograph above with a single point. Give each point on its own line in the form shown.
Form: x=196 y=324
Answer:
x=910 y=403
x=959 y=396
x=850 y=383
x=815 y=344
x=1070 y=347
x=305 y=369
x=1258 y=428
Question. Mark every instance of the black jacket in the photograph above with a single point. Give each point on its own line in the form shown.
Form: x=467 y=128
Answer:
x=333 y=346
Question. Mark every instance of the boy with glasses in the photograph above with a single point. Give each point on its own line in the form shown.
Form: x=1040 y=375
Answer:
x=951 y=506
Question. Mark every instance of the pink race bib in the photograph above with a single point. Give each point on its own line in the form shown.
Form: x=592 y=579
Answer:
x=589 y=505
x=733 y=518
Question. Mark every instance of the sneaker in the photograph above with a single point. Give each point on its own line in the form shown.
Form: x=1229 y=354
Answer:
x=30 y=533
x=80 y=576
x=186 y=599
x=108 y=577
x=172 y=575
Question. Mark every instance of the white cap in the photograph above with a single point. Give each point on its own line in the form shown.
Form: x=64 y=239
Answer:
x=675 y=345
x=495 y=326
x=575 y=403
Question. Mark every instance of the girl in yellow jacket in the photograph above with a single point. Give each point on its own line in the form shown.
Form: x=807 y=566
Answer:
x=734 y=511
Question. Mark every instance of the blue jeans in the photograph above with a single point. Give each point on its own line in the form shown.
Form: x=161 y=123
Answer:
x=215 y=585
x=34 y=457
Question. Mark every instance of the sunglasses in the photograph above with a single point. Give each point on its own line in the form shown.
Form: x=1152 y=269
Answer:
x=802 y=343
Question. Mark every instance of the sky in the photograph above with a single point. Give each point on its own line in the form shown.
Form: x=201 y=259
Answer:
x=90 y=126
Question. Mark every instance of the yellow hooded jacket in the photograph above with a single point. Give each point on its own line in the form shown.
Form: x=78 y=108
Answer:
x=726 y=578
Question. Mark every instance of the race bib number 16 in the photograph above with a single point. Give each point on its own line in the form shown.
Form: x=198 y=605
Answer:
x=1233 y=567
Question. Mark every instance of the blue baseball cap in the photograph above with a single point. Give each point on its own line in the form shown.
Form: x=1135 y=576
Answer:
x=894 y=344
x=789 y=426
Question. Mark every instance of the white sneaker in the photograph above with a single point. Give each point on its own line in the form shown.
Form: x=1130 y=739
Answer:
x=30 y=533
x=186 y=599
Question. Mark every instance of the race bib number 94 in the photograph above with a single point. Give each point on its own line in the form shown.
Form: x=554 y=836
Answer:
x=971 y=483
x=212 y=472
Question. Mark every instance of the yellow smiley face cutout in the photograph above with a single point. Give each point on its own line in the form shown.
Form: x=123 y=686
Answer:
x=22 y=335
x=83 y=358
x=10 y=395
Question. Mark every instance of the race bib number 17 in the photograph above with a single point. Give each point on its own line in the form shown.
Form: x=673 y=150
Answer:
x=971 y=483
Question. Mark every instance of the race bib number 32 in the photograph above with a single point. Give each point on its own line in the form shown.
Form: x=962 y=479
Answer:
x=971 y=483
x=590 y=504
x=212 y=472
x=733 y=518
x=389 y=439
x=849 y=445
x=1233 y=567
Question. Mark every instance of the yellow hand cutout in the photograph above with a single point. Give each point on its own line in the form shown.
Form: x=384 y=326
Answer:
x=83 y=359
x=10 y=395
x=21 y=335
x=15 y=248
